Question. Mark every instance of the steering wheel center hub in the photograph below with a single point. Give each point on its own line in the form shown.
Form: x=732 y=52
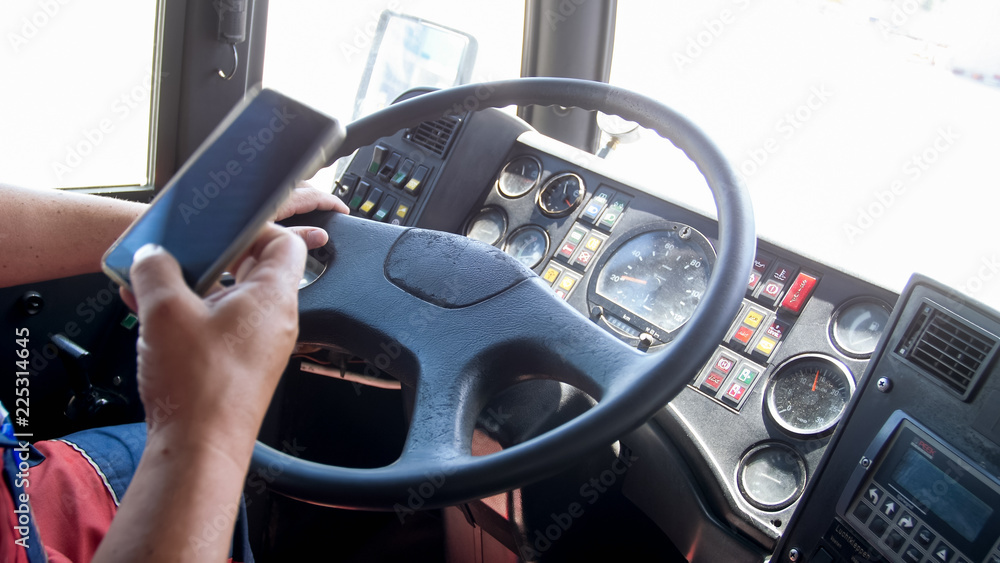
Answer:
x=450 y=271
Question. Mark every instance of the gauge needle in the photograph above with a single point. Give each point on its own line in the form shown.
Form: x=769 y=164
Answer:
x=815 y=380
x=636 y=280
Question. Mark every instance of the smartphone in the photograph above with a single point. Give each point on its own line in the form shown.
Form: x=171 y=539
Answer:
x=216 y=204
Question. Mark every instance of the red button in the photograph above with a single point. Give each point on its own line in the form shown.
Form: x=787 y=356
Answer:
x=743 y=334
x=777 y=329
x=567 y=249
x=736 y=392
x=799 y=292
x=754 y=280
x=713 y=381
x=724 y=364
x=772 y=289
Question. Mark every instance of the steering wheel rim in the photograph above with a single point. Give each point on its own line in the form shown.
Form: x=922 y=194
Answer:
x=436 y=469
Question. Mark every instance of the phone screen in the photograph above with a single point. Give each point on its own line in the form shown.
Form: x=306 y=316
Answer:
x=213 y=207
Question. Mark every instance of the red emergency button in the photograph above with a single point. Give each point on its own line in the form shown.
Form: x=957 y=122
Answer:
x=799 y=292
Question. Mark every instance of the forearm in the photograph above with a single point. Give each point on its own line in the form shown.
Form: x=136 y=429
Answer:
x=48 y=234
x=182 y=502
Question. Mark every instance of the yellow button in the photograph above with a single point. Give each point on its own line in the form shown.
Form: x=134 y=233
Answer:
x=593 y=243
x=567 y=283
x=402 y=210
x=550 y=275
x=753 y=319
x=766 y=346
x=412 y=185
x=367 y=206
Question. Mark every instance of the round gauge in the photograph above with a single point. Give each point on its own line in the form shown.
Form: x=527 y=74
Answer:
x=528 y=245
x=561 y=194
x=487 y=226
x=314 y=269
x=858 y=324
x=807 y=394
x=655 y=280
x=519 y=176
x=771 y=476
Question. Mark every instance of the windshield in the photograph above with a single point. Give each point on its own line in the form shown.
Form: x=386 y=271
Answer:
x=865 y=130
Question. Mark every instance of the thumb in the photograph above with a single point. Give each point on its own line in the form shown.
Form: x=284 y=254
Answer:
x=156 y=278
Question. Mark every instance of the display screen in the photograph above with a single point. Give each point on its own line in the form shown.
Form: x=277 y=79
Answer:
x=940 y=494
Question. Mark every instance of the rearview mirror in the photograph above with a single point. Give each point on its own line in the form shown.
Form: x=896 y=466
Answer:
x=408 y=52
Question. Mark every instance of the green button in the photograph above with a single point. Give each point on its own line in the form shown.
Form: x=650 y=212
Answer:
x=130 y=321
x=576 y=235
x=746 y=376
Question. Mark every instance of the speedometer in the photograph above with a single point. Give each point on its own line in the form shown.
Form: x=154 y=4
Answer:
x=655 y=280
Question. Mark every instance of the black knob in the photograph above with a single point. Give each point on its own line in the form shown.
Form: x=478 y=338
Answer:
x=32 y=302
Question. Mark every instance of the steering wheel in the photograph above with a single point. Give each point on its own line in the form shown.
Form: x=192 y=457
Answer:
x=460 y=320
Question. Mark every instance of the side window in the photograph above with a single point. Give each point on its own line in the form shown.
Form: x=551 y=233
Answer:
x=75 y=104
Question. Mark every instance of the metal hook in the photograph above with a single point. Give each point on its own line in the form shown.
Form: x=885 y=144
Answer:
x=236 y=64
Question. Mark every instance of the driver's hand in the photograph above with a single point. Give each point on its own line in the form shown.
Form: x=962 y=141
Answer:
x=207 y=368
x=304 y=199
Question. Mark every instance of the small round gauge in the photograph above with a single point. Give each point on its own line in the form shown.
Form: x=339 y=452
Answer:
x=771 y=476
x=561 y=194
x=528 y=245
x=658 y=276
x=807 y=395
x=858 y=324
x=519 y=176
x=314 y=269
x=487 y=226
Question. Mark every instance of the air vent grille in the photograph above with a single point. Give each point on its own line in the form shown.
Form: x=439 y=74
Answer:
x=435 y=136
x=947 y=349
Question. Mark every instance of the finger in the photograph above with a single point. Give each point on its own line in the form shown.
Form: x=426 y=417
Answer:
x=279 y=258
x=307 y=198
x=157 y=279
x=314 y=237
x=129 y=298
x=246 y=266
